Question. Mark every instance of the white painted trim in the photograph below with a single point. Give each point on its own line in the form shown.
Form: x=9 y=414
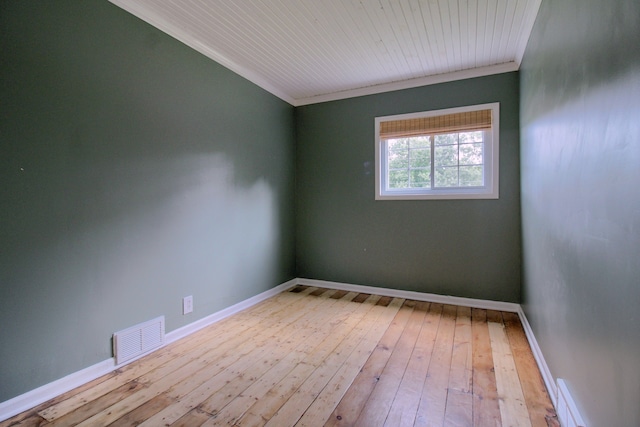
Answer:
x=41 y=394
x=537 y=354
x=418 y=296
x=224 y=313
x=55 y=388
x=466 y=302
x=190 y=40
x=491 y=189
x=568 y=413
x=409 y=84
x=525 y=30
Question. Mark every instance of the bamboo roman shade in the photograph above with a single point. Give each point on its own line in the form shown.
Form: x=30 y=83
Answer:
x=448 y=123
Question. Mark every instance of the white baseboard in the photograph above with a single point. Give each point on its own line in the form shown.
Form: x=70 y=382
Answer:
x=537 y=354
x=466 y=302
x=568 y=413
x=224 y=313
x=40 y=395
x=48 y=391
x=418 y=296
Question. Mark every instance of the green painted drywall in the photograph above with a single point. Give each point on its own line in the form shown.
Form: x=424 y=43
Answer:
x=468 y=248
x=580 y=118
x=134 y=171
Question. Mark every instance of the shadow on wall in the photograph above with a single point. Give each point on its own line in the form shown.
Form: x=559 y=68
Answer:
x=155 y=232
x=582 y=234
x=135 y=171
x=567 y=68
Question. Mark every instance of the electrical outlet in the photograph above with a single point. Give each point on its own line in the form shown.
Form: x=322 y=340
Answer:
x=187 y=304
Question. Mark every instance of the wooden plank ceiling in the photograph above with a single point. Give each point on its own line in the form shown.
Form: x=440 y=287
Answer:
x=307 y=51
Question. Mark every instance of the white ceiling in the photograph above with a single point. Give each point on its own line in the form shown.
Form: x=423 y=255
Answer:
x=308 y=51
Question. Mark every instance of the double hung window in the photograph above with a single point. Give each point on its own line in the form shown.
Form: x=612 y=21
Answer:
x=444 y=154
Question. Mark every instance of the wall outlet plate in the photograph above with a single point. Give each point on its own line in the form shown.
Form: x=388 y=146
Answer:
x=187 y=304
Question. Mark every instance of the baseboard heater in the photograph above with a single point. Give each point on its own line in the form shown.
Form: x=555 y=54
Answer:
x=138 y=340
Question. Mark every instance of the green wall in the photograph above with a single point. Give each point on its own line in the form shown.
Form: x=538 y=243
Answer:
x=468 y=248
x=134 y=171
x=580 y=117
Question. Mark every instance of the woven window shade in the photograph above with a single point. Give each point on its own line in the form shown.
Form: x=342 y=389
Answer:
x=448 y=123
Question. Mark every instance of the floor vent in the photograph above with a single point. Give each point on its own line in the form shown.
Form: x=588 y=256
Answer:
x=567 y=410
x=138 y=340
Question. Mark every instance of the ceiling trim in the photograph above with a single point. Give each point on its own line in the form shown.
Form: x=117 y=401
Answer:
x=526 y=29
x=408 y=84
x=153 y=18
x=160 y=23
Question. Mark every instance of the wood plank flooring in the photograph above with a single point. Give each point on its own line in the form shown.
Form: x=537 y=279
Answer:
x=321 y=357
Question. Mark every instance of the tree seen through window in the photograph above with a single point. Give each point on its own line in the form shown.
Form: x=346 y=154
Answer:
x=436 y=161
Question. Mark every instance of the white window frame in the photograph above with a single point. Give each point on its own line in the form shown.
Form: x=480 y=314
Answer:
x=490 y=189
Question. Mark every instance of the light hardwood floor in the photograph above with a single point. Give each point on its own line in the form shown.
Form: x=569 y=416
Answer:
x=314 y=357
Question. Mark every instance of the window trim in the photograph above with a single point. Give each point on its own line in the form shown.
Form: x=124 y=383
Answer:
x=491 y=161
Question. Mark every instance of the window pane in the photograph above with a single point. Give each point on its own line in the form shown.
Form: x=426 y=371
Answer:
x=446 y=177
x=398 y=159
x=420 y=158
x=446 y=139
x=466 y=137
x=446 y=155
x=398 y=144
x=420 y=142
x=399 y=179
x=398 y=153
x=420 y=178
x=438 y=154
x=471 y=176
x=471 y=154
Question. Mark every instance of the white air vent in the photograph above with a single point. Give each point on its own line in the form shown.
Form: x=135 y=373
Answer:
x=567 y=410
x=138 y=340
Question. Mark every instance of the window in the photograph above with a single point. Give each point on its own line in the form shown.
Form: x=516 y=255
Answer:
x=444 y=154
